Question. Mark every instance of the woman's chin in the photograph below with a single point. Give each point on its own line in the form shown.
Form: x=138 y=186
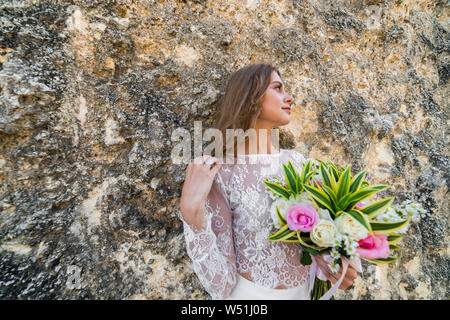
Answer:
x=286 y=121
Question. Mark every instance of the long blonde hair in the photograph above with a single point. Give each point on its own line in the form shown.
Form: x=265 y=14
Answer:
x=242 y=101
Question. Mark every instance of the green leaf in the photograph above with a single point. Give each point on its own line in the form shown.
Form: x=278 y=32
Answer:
x=394 y=238
x=327 y=178
x=318 y=204
x=290 y=179
x=305 y=244
x=314 y=183
x=343 y=202
x=343 y=185
x=365 y=193
x=375 y=208
x=306 y=259
x=388 y=227
x=299 y=185
x=305 y=170
x=361 y=218
x=330 y=164
x=291 y=237
x=311 y=251
x=339 y=213
x=280 y=217
x=292 y=168
x=332 y=196
x=330 y=193
x=382 y=261
x=394 y=247
x=284 y=234
x=320 y=196
x=278 y=189
x=335 y=173
x=297 y=177
x=309 y=175
x=280 y=233
x=357 y=181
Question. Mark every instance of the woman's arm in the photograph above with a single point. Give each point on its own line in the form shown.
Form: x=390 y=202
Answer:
x=208 y=230
x=200 y=174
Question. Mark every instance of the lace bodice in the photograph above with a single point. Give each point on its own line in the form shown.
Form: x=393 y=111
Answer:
x=236 y=227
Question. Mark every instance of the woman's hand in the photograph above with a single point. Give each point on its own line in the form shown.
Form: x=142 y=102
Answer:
x=350 y=275
x=200 y=175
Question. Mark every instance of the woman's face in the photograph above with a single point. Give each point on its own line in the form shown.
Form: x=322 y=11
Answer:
x=276 y=110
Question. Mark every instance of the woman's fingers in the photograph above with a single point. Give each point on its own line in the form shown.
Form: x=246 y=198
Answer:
x=216 y=168
x=351 y=273
x=205 y=161
x=203 y=166
x=199 y=160
x=209 y=162
x=350 y=276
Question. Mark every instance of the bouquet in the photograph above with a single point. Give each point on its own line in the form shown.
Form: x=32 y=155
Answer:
x=328 y=211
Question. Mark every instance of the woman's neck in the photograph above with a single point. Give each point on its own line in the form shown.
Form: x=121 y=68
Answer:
x=263 y=143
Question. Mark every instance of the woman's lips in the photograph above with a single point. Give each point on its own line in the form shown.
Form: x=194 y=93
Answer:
x=287 y=109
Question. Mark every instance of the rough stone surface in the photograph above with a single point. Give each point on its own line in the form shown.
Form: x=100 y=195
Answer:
x=92 y=90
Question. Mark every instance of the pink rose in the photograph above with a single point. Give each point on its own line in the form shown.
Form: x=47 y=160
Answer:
x=374 y=247
x=359 y=205
x=302 y=217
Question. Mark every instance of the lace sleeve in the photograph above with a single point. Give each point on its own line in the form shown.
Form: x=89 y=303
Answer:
x=211 y=249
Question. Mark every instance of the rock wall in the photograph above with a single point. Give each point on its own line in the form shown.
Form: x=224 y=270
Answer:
x=91 y=92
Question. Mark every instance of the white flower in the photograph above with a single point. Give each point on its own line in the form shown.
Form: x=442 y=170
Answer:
x=354 y=256
x=283 y=206
x=325 y=214
x=335 y=267
x=350 y=250
x=411 y=209
x=334 y=253
x=392 y=215
x=302 y=198
x=324 y=233
x=338 y=240
x=353 y=242
x=272 y=195
x=346 y=224
x=346 y=240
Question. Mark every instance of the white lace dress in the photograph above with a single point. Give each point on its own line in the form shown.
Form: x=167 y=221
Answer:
x=236 y=227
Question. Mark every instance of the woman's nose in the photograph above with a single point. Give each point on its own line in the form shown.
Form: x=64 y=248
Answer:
x=289 y=99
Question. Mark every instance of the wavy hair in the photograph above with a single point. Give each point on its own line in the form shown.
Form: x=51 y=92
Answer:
x=242 y=102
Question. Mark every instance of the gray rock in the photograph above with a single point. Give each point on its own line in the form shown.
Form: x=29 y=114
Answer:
x=91 y=93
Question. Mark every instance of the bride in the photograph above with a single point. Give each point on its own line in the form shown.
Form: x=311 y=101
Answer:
x=225 y=207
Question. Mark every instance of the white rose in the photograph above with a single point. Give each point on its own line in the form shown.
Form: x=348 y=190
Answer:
x=283 y=206
x=346 y=224
x=302 y=198
x=324 y=233
x=325 y=214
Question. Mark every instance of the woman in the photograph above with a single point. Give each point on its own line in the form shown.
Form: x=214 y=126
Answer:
x=225 y=208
